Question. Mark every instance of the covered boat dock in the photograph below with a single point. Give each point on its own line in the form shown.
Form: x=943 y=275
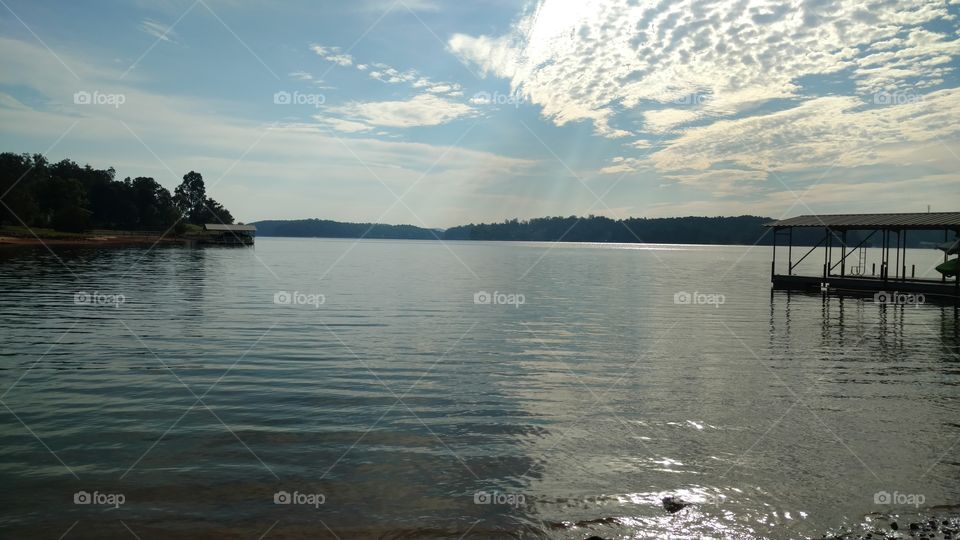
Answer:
x=228 y=235
x=846 y=267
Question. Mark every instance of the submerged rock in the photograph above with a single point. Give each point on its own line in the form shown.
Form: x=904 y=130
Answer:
x=674 y=505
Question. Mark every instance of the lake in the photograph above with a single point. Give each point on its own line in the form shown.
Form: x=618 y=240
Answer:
x=314 y=388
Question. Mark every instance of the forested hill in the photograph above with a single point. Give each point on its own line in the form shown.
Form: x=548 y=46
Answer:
x=323 y=228
x=680 y=230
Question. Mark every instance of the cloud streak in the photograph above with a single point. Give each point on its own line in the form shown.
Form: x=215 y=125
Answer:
x=159 y=31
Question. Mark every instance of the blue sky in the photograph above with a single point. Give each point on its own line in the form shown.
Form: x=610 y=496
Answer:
x=440 y=113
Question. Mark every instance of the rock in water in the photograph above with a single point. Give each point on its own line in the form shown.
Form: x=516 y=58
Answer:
x=674 y=505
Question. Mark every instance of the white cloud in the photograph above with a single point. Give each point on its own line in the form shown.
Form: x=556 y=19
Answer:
x=285 y=170
x=497 y=56
x=825 y=197
x=158 y=30
x=421 y=110
x=389 y=75
x=821 y=132
x=445 y=88
x=341 y=125
x=332 y=54
x=666 y=119
x=705 y=74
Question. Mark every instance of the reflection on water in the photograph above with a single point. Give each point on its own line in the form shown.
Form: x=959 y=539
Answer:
x=417 y=413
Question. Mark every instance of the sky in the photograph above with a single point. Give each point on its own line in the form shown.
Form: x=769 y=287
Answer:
x=438 y=113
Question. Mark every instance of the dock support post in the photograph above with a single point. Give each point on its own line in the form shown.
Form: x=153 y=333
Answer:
x=843 y=253
x=773 y=263
x=884 y=254
x=790 y=254
x=896 y=269
x=826 y=252
x=904 y=262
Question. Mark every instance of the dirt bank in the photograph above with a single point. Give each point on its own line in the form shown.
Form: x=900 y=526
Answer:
x=13 y=241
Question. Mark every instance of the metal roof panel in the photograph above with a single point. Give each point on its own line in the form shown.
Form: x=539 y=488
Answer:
x=917 y=220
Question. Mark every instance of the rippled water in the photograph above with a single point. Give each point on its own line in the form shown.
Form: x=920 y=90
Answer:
x=403 y=403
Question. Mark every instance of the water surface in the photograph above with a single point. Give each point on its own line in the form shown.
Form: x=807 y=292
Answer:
x=409 y=407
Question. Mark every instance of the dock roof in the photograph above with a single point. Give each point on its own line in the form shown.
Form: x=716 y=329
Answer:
x=229 y=228
x=917 y=220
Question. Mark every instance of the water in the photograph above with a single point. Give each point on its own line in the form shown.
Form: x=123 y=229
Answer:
x=401 y=404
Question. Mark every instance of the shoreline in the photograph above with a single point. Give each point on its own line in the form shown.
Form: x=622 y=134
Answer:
x=19 y=241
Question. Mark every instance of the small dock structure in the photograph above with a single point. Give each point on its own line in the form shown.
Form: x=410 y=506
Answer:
x=845 y=267
x=229 y=235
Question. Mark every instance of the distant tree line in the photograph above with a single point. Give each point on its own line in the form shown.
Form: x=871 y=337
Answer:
x=691 y=230
x=322 y=228
x=67 y=197
x=681 y=230
x=744 y=230
x=673 y=230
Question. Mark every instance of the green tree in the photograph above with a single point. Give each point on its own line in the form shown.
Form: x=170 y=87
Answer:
x=17 y=174
x=216 y=213
x=63 y=203
x=191 y=200
x=153 y=203
x=191 y=197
